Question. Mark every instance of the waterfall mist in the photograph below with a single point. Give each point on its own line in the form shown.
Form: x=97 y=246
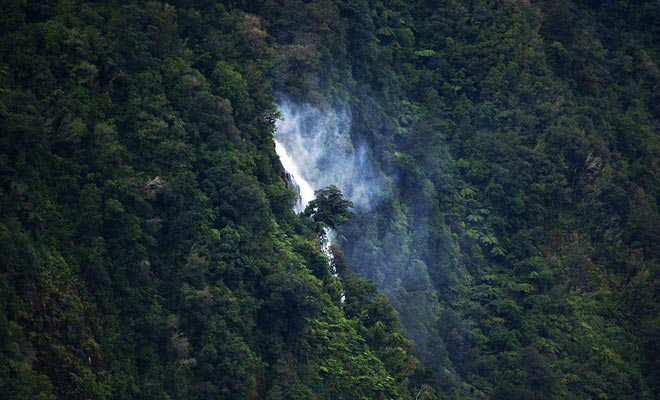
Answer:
x=316 y=148
x=398 y=239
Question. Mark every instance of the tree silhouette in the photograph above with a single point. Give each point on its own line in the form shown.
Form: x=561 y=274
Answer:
x=329 y=208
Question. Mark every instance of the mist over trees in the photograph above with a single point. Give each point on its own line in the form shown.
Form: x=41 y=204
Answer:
x=148 y=243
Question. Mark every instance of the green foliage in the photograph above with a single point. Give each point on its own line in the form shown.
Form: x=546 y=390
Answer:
x=148 y=245
x=329 y=208
x=148 y=248
x=520 y=137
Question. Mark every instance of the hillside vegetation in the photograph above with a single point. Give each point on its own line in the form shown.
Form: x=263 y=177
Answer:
x=148 y=244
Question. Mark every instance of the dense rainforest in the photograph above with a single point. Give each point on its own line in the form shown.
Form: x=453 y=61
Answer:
x=149 y=247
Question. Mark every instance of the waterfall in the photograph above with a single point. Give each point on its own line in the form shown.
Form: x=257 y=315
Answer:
x=316 y=148
x=300 y=183
x=303 y=188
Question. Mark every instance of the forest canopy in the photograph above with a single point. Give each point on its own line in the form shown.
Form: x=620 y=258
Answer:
x=148 y=243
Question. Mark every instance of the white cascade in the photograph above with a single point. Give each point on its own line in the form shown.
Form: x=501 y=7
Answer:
x=304 y=189
x=316 y=151
x=305 y=195
x=297 y=179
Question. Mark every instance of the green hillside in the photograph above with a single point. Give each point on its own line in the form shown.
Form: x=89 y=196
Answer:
x=148 y=243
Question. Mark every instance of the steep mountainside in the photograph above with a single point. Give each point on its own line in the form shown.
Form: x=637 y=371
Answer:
x=148 y=244
x=504 y=160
